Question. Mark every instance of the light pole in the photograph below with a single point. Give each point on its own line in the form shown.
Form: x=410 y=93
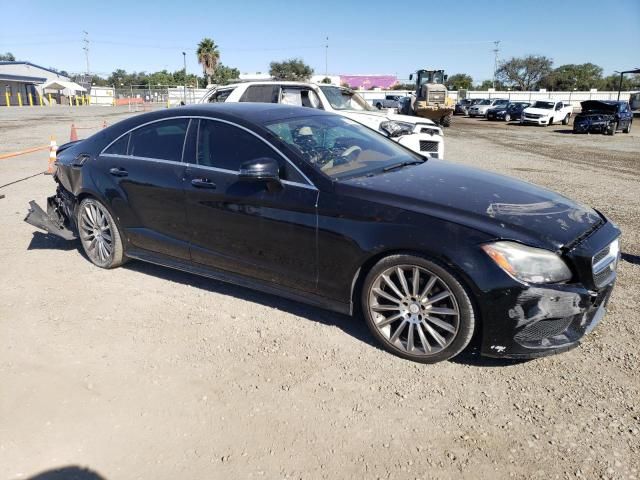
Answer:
x=184 y=58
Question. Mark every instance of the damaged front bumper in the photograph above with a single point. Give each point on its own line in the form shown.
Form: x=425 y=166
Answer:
x=58 y=219
x=529 y=321
x=545 y=321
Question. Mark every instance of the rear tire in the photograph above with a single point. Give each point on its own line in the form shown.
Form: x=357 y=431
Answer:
x=446 y=121
x=565 y=120
x=628 y=128
x=428 y=322
x=379 y=106
x=99 y=234
x=507 y=117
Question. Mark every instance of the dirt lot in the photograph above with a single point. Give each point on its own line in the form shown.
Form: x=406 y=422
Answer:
x=148 y=373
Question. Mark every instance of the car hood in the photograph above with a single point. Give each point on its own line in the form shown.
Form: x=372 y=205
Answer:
x=374 y=119
x=595 y=106
x=539 y=111
x=500 y=206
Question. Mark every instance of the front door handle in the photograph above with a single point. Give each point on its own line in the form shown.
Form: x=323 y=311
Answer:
x=203 y=183
x=118 y=172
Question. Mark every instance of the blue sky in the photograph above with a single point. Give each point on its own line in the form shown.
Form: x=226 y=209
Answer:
x=364 y=37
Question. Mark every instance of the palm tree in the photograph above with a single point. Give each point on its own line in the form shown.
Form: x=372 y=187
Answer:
x=208 y=56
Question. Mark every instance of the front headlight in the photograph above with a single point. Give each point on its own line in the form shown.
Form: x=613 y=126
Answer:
x=528 y=264
x=395 y=129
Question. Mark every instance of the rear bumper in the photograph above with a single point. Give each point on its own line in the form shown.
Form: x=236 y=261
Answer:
x=58 y=219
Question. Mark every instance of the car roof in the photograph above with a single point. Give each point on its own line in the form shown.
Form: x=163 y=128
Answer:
x=247 y=111
x=271 y=82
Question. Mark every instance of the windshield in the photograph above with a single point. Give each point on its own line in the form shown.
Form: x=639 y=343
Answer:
x=485 y=102
x=431 y=77
x=344 y=99
x=517 y=106
x=501 y=103
x=340 y=147
x=547 y=105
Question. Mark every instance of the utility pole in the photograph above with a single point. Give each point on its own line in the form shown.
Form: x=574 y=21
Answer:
x=326 y=58
x=495 y=61
x=184 y=58
x=85 y=40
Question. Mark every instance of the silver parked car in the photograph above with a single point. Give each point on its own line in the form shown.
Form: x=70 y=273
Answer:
x=480 y=109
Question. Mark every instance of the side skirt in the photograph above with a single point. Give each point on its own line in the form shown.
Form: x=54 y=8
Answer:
x=240 y=280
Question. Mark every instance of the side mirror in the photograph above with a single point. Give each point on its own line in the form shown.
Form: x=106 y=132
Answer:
x=411 y=76
x=445 y=77
x=262 y=169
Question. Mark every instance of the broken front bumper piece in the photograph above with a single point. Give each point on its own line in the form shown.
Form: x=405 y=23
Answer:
x=52 y=221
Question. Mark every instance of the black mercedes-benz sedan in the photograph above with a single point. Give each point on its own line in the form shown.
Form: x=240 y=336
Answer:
x=511 y=111
x=318 y=208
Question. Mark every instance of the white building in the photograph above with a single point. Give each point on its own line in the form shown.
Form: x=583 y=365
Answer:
x=27 y=78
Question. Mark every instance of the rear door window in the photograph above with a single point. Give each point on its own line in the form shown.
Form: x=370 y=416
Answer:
x=119 y=147
x=162 y=140
x=261 y=94
x=221 y=95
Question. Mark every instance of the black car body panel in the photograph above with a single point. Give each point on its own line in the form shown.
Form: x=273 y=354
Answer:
x=514 y=109
x=313 y=241
x=600 y=116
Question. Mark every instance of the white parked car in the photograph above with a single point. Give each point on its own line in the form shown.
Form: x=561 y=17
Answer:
x=418 y=134
x=480 y=109
x=547 y=112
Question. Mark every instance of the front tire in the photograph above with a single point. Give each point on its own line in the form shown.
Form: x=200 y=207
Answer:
x=565 y=120
x=99 y=234
x=379 y=106
x=446 y=121
x=507 y=117
x=627 y=128
x=611 y=129
x=417 y=309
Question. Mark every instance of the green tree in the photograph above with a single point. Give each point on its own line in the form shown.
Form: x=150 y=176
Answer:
x=325 y=80
x=208 y=56
x=524 y=73
x=487 y=84
x=570 y=77
x=224 y=75
x=404 y=86
x=459 y=81
x=612 y=82
x=293 y=69
x=7 y=57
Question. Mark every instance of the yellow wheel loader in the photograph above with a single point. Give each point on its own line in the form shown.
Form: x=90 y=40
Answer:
x=431 y=99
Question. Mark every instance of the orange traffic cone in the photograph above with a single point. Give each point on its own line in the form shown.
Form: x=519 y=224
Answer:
x=74 y=133
x=53 y=148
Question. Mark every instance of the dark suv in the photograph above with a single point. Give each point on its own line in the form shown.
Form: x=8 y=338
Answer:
x=603 y=116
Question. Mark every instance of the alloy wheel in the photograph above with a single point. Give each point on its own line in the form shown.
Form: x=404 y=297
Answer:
x=414 y=310
x=96 y=233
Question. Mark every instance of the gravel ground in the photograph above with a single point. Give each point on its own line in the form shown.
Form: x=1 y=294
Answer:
x=144 y=372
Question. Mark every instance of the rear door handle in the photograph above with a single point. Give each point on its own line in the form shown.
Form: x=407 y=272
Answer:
x=118 y=172
x=203 y=183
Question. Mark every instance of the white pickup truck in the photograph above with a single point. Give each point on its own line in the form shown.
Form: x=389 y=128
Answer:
x=418 y=134
x=547 y=112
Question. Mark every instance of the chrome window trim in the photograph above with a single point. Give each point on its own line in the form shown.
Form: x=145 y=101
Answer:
x=148 y=159
x=201 y=117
